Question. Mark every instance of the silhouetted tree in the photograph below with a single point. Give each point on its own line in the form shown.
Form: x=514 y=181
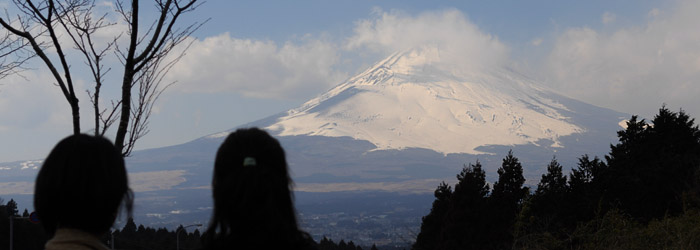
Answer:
x=553 y=183
x=129 y=228
x=39 y=25
x=545 y=210
x=505 y=201
x=585 y=189
x=432 y=225
x=326 y=244
x=11 y=208
x=551 y=191
x=586 y=172
x=647 y=195
x=464 y=222
x=27 y=235
x=654 y=166
x=351 y=245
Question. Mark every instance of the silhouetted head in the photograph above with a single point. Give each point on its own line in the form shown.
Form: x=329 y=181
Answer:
x=81 y=185
x=251 y=189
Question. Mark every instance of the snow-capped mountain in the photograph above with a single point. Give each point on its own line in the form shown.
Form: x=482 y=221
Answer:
x=413 y=100
x=417 y=115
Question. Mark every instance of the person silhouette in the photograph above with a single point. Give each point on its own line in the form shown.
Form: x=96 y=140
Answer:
x=253 y=204
x=79 y=191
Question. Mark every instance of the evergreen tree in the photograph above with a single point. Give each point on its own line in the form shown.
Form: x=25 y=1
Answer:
x=326 y=244
x=553 y=183
x=165 y=237
x=505 y=201
x=129 y=229
x=197 y=234
x=651 y=176
x=25 y=213
x=27 y=236
x=547 y=199
x=546 y=209
x=374 y=247
x=11 y=208
x=653 y=168
x=464 y=222
x=351 y=245
x=586 y=172
x=509 y=187
x=584 y=190
x=431 y=228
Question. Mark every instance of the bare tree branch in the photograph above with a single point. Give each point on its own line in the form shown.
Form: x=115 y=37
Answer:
x=80 y=26
x=147 y=68
x=66 y=86
x=14 y=54
x=145 y=57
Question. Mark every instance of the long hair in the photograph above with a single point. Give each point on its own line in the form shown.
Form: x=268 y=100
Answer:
x=253 y=204
x=81 y=185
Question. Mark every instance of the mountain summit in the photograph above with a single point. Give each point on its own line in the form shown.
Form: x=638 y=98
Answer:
x=414 y=99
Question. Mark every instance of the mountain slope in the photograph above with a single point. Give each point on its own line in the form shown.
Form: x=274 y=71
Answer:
x=413 y=100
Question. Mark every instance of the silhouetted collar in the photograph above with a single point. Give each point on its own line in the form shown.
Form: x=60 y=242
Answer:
x=73 y=239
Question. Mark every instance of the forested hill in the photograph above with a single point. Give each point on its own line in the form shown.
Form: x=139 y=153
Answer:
x=645 y=194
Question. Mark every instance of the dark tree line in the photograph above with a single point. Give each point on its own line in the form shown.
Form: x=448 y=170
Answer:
x=30 y=236
x=145 y=238
x=645 y=194
x=471 y=217
x=26 y=235
x=328 y=244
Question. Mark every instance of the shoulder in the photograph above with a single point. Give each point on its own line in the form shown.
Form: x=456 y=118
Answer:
x=72 y=239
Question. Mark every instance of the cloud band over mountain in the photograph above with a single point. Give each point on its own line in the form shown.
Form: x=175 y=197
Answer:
x=655 y=62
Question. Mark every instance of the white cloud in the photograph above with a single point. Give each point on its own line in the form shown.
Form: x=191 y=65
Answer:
x=34 y=116
x=255 y=68
x=633 y=69
x=304 y=68
x=448 y=30
x=32 y=102
x=608 y=17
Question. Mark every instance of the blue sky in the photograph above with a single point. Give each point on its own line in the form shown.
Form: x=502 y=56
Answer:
x=257 y=58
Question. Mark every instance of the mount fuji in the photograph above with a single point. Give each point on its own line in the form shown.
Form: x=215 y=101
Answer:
x=409 y=101
x=413 y=116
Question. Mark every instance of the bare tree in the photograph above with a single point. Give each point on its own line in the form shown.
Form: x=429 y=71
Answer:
x=13 y=54
x=145 y=56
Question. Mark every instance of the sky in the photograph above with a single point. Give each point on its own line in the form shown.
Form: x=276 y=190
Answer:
x=253 y=59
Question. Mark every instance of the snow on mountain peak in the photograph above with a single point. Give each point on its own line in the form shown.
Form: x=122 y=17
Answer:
x=414 y=99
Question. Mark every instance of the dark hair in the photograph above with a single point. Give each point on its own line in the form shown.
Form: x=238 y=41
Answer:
x=252 y=199
x=81 y=185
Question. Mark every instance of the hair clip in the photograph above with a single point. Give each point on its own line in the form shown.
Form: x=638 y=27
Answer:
x=249 y=162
